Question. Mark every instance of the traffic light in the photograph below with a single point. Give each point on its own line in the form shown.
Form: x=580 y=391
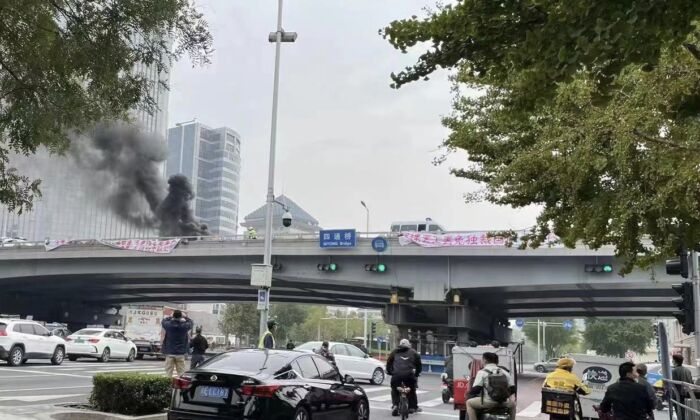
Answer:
x=277 y=267
x=686 y=315
x=678 y=266
x=332 y=267
x=376 y=268
x=598 y=268
x=373 y=328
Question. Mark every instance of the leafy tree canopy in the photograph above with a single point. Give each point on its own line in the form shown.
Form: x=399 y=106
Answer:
x=557 y=339
x=614 y=337
x=589 y=111
x=67 y=64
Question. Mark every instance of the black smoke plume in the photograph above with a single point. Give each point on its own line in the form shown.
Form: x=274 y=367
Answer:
x=135 y=191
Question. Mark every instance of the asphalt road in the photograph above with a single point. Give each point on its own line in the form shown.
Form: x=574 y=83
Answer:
x=39 y=383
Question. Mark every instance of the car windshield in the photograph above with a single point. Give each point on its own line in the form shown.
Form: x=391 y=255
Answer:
x=311 y=345
x=253 y=361
x=88 y=332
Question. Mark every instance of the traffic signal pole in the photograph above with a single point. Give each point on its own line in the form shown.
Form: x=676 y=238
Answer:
x=694 y=266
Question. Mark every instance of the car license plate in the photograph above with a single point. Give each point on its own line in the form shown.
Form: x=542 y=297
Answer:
x=79 y=340
x=213 y=392
x=144 y=349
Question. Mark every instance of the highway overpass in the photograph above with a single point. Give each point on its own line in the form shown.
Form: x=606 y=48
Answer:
x=492 y=283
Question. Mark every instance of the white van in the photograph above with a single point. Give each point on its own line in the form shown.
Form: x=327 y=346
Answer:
x=427 y=225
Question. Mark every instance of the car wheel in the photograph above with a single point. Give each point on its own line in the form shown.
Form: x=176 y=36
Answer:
x=377 y=377
x=302 y=414
x=540 y=369
x=362 y=410
x=16 y=356
x=132 y=356
x=105 y=355
x=58 y=356
x=139 y=356
x=72 y=358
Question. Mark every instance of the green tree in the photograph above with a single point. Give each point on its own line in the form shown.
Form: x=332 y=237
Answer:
x=589 y=111
x=67 y=64
x=557 y=339
x=289 y=316
x=613 y=337
x=240 y=319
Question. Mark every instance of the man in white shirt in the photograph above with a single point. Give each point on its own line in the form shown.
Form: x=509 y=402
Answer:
x=492 y=387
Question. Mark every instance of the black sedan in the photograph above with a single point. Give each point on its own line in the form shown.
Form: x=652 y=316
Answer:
x=267 y=385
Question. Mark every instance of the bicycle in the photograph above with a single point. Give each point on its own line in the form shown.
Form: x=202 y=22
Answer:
x=403 y=400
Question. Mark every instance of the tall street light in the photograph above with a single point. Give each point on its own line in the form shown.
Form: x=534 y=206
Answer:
x=278 y=38
x=364 y=337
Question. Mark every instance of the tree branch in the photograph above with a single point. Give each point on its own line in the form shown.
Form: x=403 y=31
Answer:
x=662 y=142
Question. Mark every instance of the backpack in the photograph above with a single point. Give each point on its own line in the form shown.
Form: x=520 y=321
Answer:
x=496 y=386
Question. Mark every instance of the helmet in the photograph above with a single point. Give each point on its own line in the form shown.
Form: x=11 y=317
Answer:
x=566 y=363
x=405 y=343
x=271 y=323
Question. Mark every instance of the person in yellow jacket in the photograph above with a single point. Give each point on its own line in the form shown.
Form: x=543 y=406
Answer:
x=562 y=379
x=267 y=340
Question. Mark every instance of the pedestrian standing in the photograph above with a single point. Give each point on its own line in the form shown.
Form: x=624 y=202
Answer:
x=177 y=329
x=199 y=347
x=267 y=340
x=641 y=369
x=680 y=373
x=325 y=352
x=627 y=399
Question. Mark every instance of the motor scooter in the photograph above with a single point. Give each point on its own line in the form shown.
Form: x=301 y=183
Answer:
x=447 y=389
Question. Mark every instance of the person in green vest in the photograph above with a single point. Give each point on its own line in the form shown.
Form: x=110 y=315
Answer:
x=267 y=340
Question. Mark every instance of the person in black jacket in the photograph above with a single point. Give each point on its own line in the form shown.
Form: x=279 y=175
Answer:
x=404 y=366
x=680 y=373
x=627 y=399
x=199 y=346
x=642 y=371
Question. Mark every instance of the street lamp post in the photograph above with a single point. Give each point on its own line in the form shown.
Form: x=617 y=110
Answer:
x=278 y=38
x=364 y=336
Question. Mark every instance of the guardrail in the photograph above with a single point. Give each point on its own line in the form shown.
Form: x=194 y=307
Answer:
x=683 y=400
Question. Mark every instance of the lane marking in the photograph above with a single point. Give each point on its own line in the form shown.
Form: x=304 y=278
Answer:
x=44 y=373
x=35 y=398
x=123 y=370
x=46 y=389
x=532 y=410
x=432 y=403
x=388 y=397
x=425 y=413
x=379 y=388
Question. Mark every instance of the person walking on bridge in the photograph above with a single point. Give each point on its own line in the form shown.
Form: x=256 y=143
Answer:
x=177 y=329
x=267 y=340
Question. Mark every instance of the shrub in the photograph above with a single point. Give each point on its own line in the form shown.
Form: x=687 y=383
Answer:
x=130 y=393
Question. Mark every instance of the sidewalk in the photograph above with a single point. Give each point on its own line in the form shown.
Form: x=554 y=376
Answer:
x=54 y=412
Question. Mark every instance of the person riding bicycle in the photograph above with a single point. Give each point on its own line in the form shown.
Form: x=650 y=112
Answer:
x=492 y=388
x=404 y=365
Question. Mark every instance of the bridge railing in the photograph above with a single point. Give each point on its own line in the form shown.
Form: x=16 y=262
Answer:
x=21 y=244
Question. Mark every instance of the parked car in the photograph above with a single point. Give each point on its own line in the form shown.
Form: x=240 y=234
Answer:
x=267 y=384
x=548 y=366
x=100 y=343
x=21 y=340
x=351 y=361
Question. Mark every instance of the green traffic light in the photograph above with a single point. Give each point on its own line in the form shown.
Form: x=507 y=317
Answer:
x=381 y=268
x=332 y=267
x=607 y=268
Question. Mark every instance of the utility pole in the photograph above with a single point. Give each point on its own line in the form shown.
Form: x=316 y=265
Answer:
x=539 y=356
x=694 y=266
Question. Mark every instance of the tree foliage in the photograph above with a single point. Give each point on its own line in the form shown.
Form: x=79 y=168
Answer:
x=614 y=337
x=589 y=111
x=240 y=319
x=557 y=340
x=67 y=64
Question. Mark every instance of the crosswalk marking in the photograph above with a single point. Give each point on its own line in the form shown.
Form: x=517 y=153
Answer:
x=388 y=397
x=432 y=403
x=36 y=398
x=532 y=410
x=375 y=389
x=123 y=370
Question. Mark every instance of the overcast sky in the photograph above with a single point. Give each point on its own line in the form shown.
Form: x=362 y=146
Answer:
x=343 y=134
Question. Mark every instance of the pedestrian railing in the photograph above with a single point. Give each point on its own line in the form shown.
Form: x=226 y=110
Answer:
x=683 y=400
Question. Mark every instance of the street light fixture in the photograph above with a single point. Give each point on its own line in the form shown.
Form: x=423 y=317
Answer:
x=278 y=38
x=366 y=209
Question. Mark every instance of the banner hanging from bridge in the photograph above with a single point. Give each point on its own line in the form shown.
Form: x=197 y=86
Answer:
x=461 y=239
x=155 y=246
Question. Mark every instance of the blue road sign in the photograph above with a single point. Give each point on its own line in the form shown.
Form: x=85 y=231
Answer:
x=337 y=238
x=381 y=339
x=568 y=325
x=262 y=299
x=379 y=244
x=519 y=322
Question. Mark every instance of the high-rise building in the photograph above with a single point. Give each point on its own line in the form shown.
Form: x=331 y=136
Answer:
x=302 y=221
x=211 y=158
x=68 y=208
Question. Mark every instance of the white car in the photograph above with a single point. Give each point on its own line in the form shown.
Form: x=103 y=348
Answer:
x=100 y=343
x=351 y=361
x=21 y=340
